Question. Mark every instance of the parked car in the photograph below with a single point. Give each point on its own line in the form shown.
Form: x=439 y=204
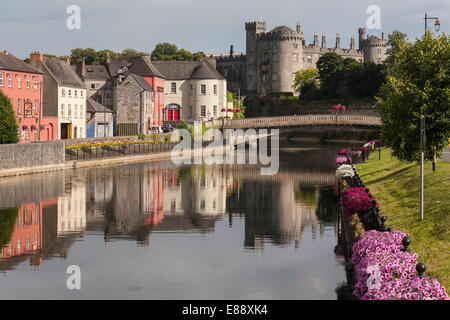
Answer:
x=156 y=129
x=167 y=128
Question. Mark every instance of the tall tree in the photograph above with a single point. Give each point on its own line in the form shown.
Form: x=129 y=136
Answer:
x=418 y=83
x=307 y=78
x=164 y=52
x=329 y=65
x=8 y=124
x=396 y=41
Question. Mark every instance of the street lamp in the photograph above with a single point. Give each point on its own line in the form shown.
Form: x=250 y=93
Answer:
x=437 y=24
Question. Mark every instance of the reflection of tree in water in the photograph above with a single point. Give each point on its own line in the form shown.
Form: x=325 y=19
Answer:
x=327 y=206
x=7 y=223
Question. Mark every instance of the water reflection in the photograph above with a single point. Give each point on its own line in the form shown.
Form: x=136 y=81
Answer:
x=45 y=218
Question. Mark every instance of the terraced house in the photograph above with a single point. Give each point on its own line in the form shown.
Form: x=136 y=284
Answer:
x=22 y=84
x=64 y=94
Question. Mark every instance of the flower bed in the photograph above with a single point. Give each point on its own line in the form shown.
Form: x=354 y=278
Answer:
x=385 y=272
x=340 y=160
x=356 y=199
x=345 y=171
x=108 y=144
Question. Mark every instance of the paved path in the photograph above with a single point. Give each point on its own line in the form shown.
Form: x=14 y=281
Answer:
x=446 y=155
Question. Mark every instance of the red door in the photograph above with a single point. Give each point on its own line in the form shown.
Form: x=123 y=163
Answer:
x=176 y=115
x=169 y=115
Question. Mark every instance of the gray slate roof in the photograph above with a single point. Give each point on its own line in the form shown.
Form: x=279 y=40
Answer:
x=94 y=106
x=282 y=29
x=183 y=70
x=144 y=67
x=94 y=72
x=63 y=73
x=141 y=81
x=12 y=63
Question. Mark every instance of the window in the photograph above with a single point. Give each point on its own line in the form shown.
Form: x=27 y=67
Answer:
x=173 y=87
x=19 y=106
x=264 y=76
x=36 y=106
x=215 y=111
x=76 y=93
x=191 y=92
x=309 y=59
x=81 y=111
x=1 y=79
x=295 y=46
x=275 y=77
x=35 y=85
x=203 y=89
x=379 y=60
x=81 y=93
x=28 y=81
x=62 y=110
x=202 y=204
x=69 y=110
x=215 y=89
x=93 y=86
x=274 y=57
x=19 y=81
x=63 y=92
x=70 y=93
x=10 y=80
x=76 y=110
x=203 y=111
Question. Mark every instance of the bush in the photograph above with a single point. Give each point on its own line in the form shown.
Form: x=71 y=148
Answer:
x=8 y=124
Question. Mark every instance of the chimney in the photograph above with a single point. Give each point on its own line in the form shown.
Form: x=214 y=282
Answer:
x=382 y=36
x=80 y=68
x=231 y=51
x=352 y=43
x=36 y=56
x=324 y=41
x=338 y=41
x=107 y=58
x=298 y=28
x=316 y=40
x=65 y=59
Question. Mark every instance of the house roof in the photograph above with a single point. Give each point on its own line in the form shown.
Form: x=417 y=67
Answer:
x=282 y=29
x=63 y=73
x=142 y=83
x=183 y=70
x=144 y=67
x=12 y=63
x=94 y=106
x=94 y=72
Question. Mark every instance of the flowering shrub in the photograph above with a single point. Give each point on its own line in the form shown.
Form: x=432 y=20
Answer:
x=356 y=199
x=397 y=277
x=343 y=151
x=345 y=171
x=340 y=160
x=357 y=152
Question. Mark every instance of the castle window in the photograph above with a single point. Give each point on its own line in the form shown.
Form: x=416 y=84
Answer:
x=309 y=59
x=295 y=57
x=379 y=60
x=379 y=51
x=264 y=77
x=275 y=77
x=274 y=57
x=295 y=46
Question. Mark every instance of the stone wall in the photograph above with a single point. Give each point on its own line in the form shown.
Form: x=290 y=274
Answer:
x=15 y=156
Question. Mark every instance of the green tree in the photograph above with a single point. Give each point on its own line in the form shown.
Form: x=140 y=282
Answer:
x=8 y=124
x=308 y=77
x=329 y=65
x=7 y=223
x=130 y=54
x=418 y=83
x=164 y=52
x=396 y=41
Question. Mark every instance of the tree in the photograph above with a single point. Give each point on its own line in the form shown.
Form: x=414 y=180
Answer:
x=130 y=54
x=7 y=223
x=8 y=124
x=164 y=52
x=329 y=65
x=308 y=77
x=418 y=83
x=396 y=41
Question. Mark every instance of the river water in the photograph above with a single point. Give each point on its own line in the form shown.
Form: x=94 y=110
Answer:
x=158 y=231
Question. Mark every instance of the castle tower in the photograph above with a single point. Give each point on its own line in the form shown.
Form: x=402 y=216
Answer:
x=362 y=37
x=324 y=41
x=374 y=49
x=352 y=43
x=338 y=41
x=252 y=29
x=316 y=40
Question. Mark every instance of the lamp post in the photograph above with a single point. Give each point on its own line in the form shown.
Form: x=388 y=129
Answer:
x=422 y=147
x=437 y=24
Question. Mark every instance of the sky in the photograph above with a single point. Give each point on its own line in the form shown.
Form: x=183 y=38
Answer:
x=210 y=26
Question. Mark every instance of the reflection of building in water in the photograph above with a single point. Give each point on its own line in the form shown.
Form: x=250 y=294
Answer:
x=274 y=211
x=72 y=207
x=205 y=193
x=29 y=235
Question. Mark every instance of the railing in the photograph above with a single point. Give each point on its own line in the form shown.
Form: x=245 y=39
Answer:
x=118 y=150
x=300 y=120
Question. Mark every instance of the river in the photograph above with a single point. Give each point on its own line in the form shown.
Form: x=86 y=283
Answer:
x=158 y=231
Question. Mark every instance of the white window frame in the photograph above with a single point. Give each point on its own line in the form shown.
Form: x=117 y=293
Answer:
x=203 y=89
x=1 y=79
x=10 y=80
x=203 y=111
x=173 y=87
x=28 y=77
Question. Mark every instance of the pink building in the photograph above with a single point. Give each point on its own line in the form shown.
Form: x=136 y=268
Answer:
x=22 y=84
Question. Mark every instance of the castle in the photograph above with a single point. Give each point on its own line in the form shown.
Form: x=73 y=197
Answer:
x=272 y=58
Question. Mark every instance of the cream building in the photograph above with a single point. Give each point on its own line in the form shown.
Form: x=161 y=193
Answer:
x=64 y=93
x=72 y=208
x=193 y=91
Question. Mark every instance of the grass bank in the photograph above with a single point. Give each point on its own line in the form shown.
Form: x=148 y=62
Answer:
x=396 y=187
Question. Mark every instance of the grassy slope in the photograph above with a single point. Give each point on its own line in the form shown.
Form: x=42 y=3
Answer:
x=396 y=187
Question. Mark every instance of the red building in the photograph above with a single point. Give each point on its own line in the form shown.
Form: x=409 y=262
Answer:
x=22 y=84
x=144 y=68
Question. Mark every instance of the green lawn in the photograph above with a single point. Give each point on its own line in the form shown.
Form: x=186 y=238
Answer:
x=396 y=187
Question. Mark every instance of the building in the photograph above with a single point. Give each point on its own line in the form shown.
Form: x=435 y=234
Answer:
x=99 y=120
x=134 y=104
x=64 y=94
x=23 y=84
x=96 y=79
x=193 y=90
x=273 y=57
x=119 y=69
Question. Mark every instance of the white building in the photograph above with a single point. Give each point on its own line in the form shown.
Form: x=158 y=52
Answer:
x=64 y=94
x=194 y=91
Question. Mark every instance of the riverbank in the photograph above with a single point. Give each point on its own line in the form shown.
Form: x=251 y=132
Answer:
x=395 y=185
